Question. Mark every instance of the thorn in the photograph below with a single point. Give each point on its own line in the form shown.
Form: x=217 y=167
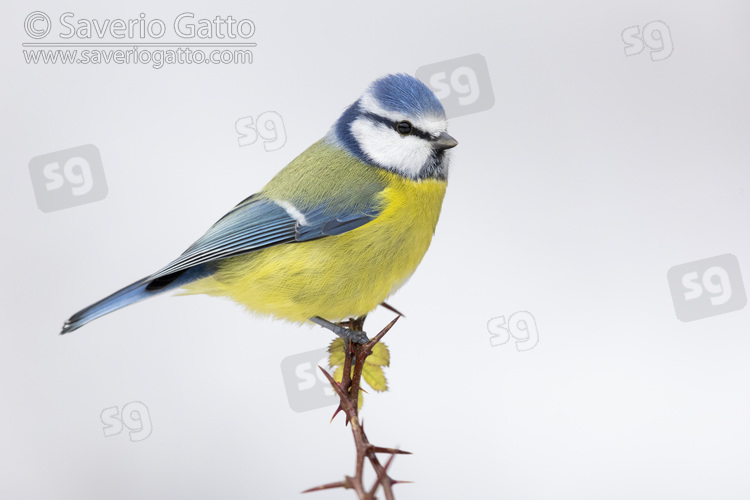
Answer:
x=339 y=392
x=335 y=413
x=336 y=386
x=329 y=486
x=398 y=481
x=382 y=332
x=392 y=451
x=392 y=309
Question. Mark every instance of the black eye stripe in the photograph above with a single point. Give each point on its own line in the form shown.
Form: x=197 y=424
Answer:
x=392 y=124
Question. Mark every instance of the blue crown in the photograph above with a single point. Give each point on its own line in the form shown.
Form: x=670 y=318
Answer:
x=406 y=94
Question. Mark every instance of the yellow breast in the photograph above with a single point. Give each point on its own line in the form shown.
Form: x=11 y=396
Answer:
x=337 y=276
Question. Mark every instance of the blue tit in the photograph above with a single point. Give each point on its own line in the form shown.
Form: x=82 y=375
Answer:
x=336 y=231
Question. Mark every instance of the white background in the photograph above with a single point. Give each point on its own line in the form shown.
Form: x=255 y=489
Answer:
x=592 y=175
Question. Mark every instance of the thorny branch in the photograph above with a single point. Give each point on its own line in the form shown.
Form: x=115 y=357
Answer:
x=348 y=392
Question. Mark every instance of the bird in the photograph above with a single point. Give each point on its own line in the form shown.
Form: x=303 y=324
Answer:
x=336 y=231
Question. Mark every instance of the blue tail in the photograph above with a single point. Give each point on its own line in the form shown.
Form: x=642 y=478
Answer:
x=142 y=289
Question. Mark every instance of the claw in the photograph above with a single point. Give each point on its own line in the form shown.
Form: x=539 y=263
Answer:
x=356 y=336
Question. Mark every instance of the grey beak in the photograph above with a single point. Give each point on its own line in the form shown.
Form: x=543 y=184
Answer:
x=444 y=141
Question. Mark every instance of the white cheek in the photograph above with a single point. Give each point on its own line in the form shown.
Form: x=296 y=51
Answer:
x=388 y=148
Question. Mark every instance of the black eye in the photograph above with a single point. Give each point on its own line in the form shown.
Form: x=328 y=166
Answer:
x=403 y=127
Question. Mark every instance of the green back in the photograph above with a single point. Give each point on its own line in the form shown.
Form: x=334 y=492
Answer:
x=324 y=173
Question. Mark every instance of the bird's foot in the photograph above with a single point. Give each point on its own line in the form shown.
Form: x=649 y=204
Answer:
x=348 y=334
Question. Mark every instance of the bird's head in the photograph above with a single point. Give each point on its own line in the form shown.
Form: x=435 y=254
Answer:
x=397 y=124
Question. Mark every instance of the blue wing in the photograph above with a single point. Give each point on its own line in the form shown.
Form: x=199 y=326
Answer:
x=256 y=223
x=259 y=223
